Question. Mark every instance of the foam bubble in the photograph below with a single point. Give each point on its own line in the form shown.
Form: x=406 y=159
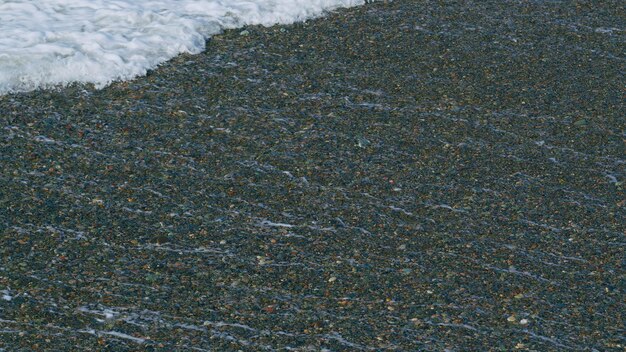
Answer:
x=55 y=42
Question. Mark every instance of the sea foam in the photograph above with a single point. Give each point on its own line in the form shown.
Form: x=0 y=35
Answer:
x=46 y=43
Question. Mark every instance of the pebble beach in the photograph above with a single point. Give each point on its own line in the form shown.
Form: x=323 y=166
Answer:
x=409 y=175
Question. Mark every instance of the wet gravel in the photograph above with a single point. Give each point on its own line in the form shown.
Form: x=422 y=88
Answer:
x=420 y=175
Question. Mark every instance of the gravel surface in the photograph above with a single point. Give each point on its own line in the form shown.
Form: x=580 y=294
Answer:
x=416 y=175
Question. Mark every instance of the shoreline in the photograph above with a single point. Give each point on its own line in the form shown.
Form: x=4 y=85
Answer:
x=408 y=176
x=77 y=45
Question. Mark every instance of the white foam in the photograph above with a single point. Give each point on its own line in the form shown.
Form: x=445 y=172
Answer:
x=45 y=43
x=6 y=295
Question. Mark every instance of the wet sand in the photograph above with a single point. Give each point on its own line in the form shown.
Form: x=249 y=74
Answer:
x=412 y=176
